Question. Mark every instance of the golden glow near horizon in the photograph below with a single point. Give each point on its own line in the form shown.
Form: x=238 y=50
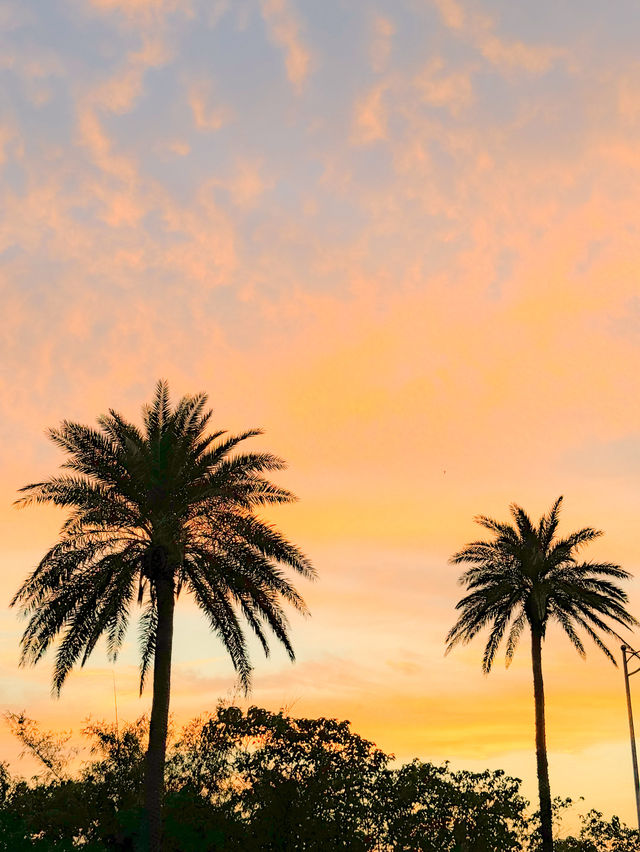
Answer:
x=403 y=238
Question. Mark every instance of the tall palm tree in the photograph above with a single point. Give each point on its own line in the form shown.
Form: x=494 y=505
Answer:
x=526 y=576
x=155 y=511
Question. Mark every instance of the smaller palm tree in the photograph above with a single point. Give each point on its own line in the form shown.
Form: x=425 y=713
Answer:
x=526 y=577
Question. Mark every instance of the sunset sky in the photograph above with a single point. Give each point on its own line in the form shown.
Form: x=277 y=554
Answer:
x=402 y=236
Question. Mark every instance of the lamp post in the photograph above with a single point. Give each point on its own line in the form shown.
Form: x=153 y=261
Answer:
x=627 y=654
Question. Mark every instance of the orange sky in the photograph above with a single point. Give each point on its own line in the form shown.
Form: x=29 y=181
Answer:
x=400 y=236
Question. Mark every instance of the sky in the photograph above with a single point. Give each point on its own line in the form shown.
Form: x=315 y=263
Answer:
x=402 y=238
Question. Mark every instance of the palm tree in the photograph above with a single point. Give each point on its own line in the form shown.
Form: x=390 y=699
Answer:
x=525 y=576
x=155 y=511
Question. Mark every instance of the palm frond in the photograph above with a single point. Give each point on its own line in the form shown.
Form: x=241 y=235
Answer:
x=525 y=574
x=168 y=497
x=524 y=524
x=217 y=607
x=515 y=632
x=549 y=524
x=147 y=630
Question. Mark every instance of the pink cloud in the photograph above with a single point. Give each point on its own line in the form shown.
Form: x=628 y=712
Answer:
x=381 y=42
x=285 y=31
x=142 y=13
x=439 y=87
x=207 y=114
x=370 y=116
x=119 y=93
x=479 y=30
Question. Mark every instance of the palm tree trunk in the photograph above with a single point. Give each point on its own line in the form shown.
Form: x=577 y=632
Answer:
x=154 y=770
x=544 y=788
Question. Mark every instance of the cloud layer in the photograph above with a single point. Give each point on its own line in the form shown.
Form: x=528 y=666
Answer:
x=404 y=239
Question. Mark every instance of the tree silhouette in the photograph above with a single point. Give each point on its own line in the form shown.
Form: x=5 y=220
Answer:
x=259 y=781
x=526 y=576
x=155 y=511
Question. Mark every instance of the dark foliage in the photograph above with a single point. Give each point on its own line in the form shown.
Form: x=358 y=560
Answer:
x=432 y=809
x=258 y=780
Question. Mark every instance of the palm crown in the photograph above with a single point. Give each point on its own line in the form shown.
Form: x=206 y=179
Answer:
x=526 y=575
x=165 y=502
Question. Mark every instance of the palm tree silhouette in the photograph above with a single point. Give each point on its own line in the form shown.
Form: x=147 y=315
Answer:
x=153 y=512
x=526 y=576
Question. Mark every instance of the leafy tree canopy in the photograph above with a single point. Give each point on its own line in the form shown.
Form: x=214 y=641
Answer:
x=258 y=780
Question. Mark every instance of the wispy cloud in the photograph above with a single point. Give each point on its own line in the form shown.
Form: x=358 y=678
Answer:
x=207 y=114
x=383 y=31
x=480 y=30
x=370 y=116
x=141 y=12
x=286 y=32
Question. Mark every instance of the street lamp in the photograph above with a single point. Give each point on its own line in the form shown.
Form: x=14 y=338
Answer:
x=627 y=654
